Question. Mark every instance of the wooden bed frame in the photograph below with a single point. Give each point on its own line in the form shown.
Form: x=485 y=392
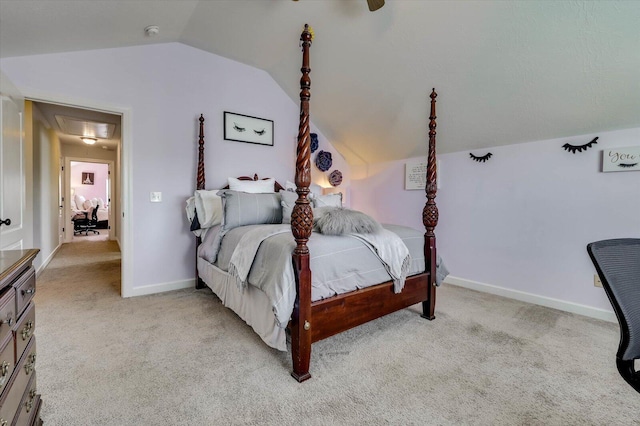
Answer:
x=314 y=321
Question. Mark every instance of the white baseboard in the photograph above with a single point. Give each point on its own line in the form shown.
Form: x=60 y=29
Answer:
x=159 y=288
x=549 y=302
x=47 y=260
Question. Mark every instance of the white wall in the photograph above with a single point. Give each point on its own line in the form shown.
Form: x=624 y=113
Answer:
x=520 y=221
x=166 y=87
x=46 y=161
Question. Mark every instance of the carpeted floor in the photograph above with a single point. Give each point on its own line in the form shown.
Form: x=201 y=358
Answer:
x=182 y=358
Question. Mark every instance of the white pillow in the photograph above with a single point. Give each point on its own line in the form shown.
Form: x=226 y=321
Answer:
x=101 y=202
x=87 y=205
x=79 y=199
x=315 y=189
x=252 y=186
x=94 y=201
x=329 y=200
x=209 y=208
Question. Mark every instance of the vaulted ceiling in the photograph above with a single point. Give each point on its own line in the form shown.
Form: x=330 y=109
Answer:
x=506 y=71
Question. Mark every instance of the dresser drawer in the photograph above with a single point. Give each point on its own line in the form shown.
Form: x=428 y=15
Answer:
x=10 y=401
x=24 y=330
x=29 y=405
x=7 y=361
x=7 y=312
x=25 y=289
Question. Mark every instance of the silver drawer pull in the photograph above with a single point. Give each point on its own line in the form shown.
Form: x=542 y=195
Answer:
x=4 y=368
x=28 y=291
x=27 y=331
x=3 y=422
x=9 y=322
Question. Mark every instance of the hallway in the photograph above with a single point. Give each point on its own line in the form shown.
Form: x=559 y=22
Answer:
x=93 y=262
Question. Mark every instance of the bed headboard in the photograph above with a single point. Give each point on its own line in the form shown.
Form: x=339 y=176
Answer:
x=276 y=185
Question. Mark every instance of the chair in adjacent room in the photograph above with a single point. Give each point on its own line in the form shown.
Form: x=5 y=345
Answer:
x=86 y=224
x=618 y=264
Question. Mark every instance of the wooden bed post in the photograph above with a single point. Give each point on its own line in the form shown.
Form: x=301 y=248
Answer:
x=200 y=185
x=301 y=226
x=430 y=214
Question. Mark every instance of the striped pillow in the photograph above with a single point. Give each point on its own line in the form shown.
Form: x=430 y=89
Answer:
x=242 y=208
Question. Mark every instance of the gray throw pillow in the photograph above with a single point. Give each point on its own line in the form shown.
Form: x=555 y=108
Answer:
x=242 y=208
x=288 y=201
x=339 y=221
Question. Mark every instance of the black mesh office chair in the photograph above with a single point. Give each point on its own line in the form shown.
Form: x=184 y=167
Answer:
x=618 y=265
x=87 y=224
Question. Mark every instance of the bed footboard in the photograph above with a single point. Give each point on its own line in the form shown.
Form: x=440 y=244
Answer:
x=315 y=321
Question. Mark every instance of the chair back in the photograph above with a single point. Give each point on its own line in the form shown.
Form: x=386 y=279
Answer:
x=618 y=264
x=94 y=214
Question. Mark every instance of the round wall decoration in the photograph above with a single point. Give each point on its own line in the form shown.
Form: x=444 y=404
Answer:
x=335 y=178
x=323 y=160
x=314 y=142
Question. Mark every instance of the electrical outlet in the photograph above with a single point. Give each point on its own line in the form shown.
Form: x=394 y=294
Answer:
x=596 y=281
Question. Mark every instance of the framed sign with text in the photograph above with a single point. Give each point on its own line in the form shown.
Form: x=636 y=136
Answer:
x=415 y=174
x=621 y=159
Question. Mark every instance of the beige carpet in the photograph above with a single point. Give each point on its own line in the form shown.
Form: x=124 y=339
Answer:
x=181 y=358
x=102 y=235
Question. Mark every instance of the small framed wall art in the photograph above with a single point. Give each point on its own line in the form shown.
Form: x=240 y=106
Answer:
x=244 y=128
x=87 y=178
x=621 y=159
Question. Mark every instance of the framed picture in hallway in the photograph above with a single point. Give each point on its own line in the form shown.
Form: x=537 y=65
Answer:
x=87 y=178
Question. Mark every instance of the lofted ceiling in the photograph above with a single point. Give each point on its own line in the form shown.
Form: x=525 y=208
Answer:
x=506 y=71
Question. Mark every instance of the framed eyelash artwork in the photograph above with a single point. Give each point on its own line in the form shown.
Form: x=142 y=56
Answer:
x=621 y=159
x=244 y=128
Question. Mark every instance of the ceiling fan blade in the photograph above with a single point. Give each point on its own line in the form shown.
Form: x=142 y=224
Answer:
x=375 y=4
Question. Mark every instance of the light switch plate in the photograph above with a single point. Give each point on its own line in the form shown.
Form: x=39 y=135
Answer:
x=155 y=197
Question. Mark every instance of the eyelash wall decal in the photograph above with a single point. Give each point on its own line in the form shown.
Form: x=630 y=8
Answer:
x=238 y=128
x=579 y=148
x=625 y=165
x=260 y=132
x=481 y=159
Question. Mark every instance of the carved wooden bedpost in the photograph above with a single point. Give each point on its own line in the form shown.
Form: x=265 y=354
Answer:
x=430 y=214
x=301 y=226
x=200 y=185
x=200 y=179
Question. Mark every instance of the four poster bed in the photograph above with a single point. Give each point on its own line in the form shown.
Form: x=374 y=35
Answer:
x=312 y=314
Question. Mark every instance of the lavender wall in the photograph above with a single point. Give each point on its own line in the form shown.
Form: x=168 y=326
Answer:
x=522 y=220
x=166 y=87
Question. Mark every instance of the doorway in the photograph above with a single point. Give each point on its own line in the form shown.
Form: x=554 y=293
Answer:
x=89 y=140
x=89 y=185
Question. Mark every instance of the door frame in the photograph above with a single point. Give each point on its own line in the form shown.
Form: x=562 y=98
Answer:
x=68 y=225
x=126 y=190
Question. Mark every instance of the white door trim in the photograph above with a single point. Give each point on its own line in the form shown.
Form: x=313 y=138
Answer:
x=126 y=191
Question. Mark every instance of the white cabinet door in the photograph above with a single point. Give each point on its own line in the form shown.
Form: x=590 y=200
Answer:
x=12 y=173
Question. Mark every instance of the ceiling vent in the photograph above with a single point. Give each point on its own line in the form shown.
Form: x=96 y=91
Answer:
x=79 y=127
